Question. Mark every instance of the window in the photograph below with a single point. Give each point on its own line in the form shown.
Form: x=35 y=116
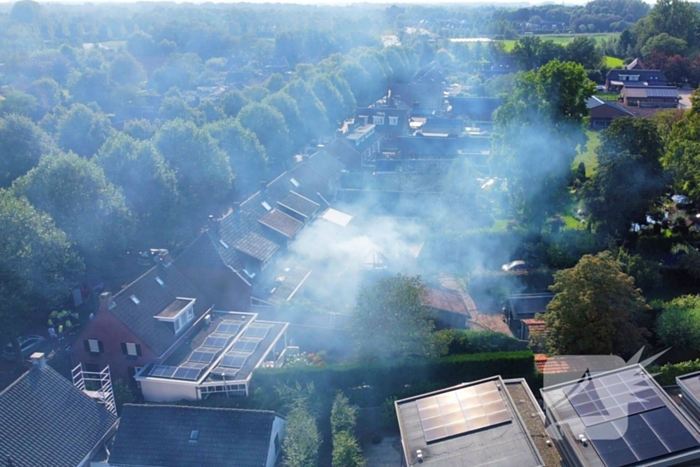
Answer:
x=277 y=444
x=131 y=350
x=190 y=314
x=135 y=299
x=223 y=244
x=194 y=435
x=184 y=318
x=160 y=281
x=294 y=182
x=266 y=206
x=393 y=121
x=378 y=120
x=93 y=346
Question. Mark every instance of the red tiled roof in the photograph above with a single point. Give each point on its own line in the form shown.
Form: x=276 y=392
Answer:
x=443 y=300
x=281 y=222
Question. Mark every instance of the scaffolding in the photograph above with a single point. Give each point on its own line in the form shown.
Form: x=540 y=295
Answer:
x=96 y=385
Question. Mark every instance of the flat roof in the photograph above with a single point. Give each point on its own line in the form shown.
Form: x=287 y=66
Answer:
x=282 y=285
x=502 y=444
x=336 y=217
x=625 y=417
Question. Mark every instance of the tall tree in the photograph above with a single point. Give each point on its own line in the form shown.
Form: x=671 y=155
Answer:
x=682 y=158
x=270 y=129
x=390 y=321
x=538 y=128
x=679 y=323
x=287 y=106
x=83 y=130
x=595 y=310
x=22 y=144
x=302 y=439
x=37 y=264
x=346 y=451
x=76 y=194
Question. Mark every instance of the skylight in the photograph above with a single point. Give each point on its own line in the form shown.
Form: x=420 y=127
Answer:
x=223 y=243
x=294 y=182
x=266 y=206
x=135 y=299
x=160 y=281
x=194 y=435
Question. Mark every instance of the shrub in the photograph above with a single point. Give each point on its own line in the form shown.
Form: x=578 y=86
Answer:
x=666 y=374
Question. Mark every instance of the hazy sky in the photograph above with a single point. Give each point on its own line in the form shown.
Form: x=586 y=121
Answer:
x=332 y=2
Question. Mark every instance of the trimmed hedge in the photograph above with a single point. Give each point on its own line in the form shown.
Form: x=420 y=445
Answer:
x=383 y=380
x=472 y=342
x=666 y=374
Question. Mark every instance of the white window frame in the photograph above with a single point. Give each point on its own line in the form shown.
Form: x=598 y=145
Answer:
x=94 y=345
x=393 y=121
x=131 y=349
x=378 y=120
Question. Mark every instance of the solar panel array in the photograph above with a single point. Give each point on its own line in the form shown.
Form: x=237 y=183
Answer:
x=626 y=420
x=257 y=331
x=461 y=411
x=613 y=396
x=202 y=356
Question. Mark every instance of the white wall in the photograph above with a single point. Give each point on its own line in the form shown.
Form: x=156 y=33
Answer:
x=277 y=428
x=167 y=391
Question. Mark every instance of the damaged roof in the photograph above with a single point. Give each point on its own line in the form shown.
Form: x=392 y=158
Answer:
x=444 y=300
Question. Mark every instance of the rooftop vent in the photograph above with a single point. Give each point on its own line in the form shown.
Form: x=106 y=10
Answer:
x=419 y=456
x=135 y=299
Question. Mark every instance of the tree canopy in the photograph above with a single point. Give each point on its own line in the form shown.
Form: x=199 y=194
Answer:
x=678 y=325
x=595 y=310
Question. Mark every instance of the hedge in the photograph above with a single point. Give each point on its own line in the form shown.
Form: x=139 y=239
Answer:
x=382 y=380
x=472 y=342
x=666 y=374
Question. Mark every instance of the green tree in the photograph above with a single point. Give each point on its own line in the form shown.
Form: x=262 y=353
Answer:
x=346 y=451
x=47 y=93
x=682 y=157
x=666 y=44
x=22 y=144
x=233 y=101
x=584 y=50
x=202 y=170
x=18 y=102
x=343 y=416
x=37 y=265
x=679 y=323
x=292 y=118
x=179 y=70
x=147 y=182
x=315 y=115
x=595 y=310
x=677 y=18
x=125 y=70
x=302 y=439
x=246 y=155
x=270 y=129
x=331 y=99
x=82 y=130
x=76 y=194
x=390 y=312
x=538 y=129
x=139 y=129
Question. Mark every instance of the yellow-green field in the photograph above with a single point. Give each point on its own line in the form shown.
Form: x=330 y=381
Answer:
x=613 y=62
x=561 y=38
x=588 y=157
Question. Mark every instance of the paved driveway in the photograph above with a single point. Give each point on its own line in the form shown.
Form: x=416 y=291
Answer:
x=685 y=98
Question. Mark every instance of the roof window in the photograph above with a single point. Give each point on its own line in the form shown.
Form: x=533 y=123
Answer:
x=294 y=182
x=194 y=435
x=135 y=299
x=266 y=206
x=223 y=243
x=160 y=281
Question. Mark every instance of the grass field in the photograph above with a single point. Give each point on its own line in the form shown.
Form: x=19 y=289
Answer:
x=563 y=39
x=588 y=157
x=613 y=62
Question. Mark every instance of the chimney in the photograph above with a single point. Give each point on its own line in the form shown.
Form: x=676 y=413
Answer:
x=105 y=300
x=38 y=360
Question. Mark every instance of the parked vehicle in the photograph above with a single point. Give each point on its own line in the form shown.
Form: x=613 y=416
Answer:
x=28 y=345
x=518 y=265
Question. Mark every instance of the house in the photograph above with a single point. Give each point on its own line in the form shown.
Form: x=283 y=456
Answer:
x=389 y=116
x=689 y=385
x=524 y=306
x=422 y=98
x=46 y=420
x=476 y=424
x=650 y=96
x=358 y=147
x=603 y=112
x=618 y=418
x=531 y=327
x=635 y=64
x=474 y=108
x=280 y=286
x=618 y=78
x=179 y=436
x=143 y=323
x=226 y=260
x=322 y=171
x=450 y=308
x=218 y=358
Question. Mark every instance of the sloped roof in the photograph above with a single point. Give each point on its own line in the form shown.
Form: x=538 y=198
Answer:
x=153 y=298
x=340 y=149
x=650 y=91
x=648 y=76
x=299 y=204
x=474 y=106
x=444 y=300
x=157 y=435
x=281 y=222
x=527 y=305
x=256 y=246
x=45 y=420
x=327 y=165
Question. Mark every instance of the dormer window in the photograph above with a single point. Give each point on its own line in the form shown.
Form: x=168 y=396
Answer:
x=180 y=313
x=160 y=281
x=266 y=206
x=135 y=299
x=294 y=182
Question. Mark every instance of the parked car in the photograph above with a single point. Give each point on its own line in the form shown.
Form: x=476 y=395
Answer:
x=518 y=265
x=28 y=344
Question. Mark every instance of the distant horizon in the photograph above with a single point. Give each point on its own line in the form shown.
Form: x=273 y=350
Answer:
x=326 y=3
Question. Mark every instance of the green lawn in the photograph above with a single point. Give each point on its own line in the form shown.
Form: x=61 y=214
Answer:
x=588 y=157
x=608 y=96
x=565 y=39
x=613 y=62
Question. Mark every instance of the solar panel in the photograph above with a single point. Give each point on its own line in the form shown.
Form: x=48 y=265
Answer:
x=234 y=359
x=461 y=411
x=202 y=356
x=245 y=345
x=216 y=340
x=257 y=331
x=228 y=327
x=189 y=372
x=613 y=396
x=162 y=371
x=640 y=437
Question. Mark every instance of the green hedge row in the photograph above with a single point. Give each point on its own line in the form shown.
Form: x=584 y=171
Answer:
x=666 y=374
x=472 y=342
x=383 y=380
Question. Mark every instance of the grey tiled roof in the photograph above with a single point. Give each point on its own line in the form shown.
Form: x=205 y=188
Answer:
x=46 y=421
x=325 y=164
x=281 y=222
x=256 y=246
x=299 y=204
x=158 y=435
x=153 y=299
